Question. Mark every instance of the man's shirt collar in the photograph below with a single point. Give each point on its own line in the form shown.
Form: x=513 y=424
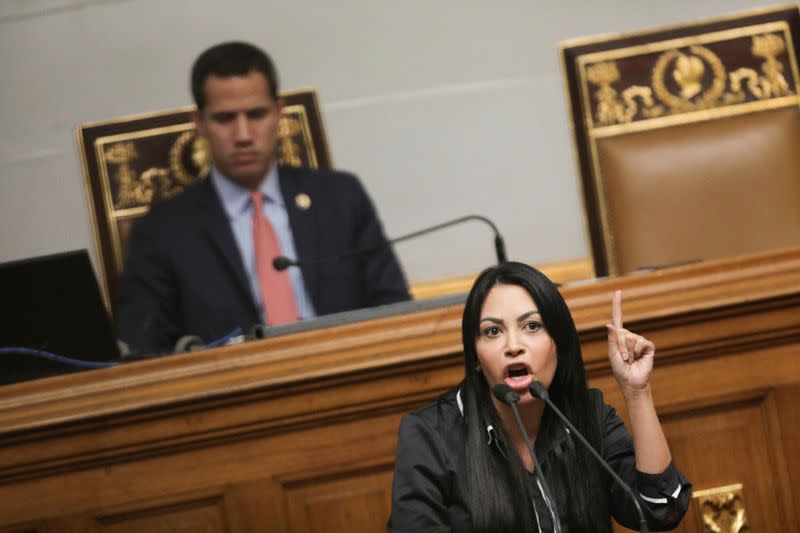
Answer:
x=236 y=199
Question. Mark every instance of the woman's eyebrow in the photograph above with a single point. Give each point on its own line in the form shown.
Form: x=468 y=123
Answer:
x=523 y=316
x=520 y=318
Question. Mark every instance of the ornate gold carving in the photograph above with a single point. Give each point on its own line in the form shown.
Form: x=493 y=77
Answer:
x=129 y=193
x=772 y=84
x=685 y=79
x=649 y=107
x=688 y=72
x=140 y=190
x=158 y=182
x=721 y=510
x=199 y=155
x=769 y=47
x=610 y=110
x=288 y=128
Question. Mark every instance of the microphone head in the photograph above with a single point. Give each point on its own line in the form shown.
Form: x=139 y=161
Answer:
x=505 y=394
x=281 y=263
x=258 y=331
x=538 y=390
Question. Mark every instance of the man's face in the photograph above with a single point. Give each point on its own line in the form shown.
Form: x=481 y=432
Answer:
x=240 y=122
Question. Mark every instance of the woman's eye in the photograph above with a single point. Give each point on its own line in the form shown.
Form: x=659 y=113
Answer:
x=491 y=331
x=532 y=326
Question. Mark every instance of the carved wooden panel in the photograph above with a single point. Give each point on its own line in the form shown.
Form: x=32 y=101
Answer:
x=724 y=445
x=786 y=420
x=202 y=515
x=733 y=444
x=359 y=503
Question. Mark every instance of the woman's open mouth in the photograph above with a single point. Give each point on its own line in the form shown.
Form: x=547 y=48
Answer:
x=518 y=376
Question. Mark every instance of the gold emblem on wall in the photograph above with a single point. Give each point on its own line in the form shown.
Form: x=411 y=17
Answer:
x=688 y=78
x=721 y=510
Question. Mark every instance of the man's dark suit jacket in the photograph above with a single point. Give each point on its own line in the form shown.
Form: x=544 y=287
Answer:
x=184 y=274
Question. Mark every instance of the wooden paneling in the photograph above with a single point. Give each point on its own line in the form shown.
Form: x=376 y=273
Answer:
x=297 y=433
x=204 y=515
x=785 y=421
x=357 y=503
x=727 y=444
x=738 y=440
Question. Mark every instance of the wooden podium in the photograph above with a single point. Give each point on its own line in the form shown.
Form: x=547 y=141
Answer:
x=297 y=433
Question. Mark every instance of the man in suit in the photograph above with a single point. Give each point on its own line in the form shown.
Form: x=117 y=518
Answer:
x=201 y=263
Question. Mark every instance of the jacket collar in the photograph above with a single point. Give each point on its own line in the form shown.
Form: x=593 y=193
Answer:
x=303 y=219
x=543 y=447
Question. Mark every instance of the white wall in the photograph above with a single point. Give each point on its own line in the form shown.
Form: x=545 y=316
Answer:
x=442 y=107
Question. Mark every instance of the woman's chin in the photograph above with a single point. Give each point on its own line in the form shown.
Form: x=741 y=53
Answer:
x=525 y=398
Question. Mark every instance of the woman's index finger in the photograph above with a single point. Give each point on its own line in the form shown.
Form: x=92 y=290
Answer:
x=616 y=309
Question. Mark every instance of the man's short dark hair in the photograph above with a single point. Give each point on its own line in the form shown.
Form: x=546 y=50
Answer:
x=230 y=59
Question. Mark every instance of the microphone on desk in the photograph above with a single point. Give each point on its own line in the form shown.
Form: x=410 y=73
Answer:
x=538 y=390
x=282 y=262
x=508 y=396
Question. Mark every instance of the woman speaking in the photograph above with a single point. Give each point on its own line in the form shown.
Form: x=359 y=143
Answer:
x=463 y=463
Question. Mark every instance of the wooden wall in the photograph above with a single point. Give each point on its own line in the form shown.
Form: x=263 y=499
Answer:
x=298 y=433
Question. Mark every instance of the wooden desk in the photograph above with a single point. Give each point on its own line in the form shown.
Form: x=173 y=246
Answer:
x=297 y=433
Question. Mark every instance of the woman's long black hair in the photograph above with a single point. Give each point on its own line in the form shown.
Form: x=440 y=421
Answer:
x=499 y=489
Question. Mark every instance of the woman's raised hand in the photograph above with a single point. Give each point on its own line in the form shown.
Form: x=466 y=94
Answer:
x=630 y=354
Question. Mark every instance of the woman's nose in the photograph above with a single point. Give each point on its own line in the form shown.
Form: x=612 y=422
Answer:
x=513 y=345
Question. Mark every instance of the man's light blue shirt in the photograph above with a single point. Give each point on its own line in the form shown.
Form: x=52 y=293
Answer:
x=239 y=210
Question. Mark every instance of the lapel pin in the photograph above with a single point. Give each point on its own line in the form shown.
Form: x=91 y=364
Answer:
x=302 y=201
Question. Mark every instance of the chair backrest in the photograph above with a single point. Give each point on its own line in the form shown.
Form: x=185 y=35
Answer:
x=687 y=139
x=131 y=162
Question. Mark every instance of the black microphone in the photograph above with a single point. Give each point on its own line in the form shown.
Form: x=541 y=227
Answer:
x=538 y=390
x=282 y=262
x=506 y=394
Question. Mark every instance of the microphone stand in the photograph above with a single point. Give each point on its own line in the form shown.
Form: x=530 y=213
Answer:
x=282 y=262
x=538 y=390
x=505 y=394
x=499 y=244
